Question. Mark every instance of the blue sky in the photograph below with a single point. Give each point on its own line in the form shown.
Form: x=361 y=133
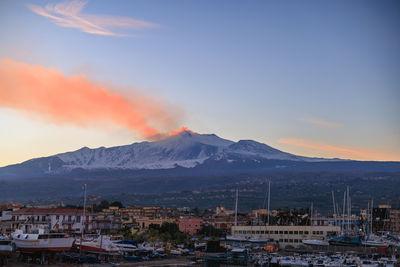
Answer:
x=302 y=76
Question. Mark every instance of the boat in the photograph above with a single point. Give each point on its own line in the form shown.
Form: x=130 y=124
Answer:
x=236 y=238
x=374 y=243
x=101 y=244
x=345 y=241
x=6 y=247
x=41 y=241
x=126 y=245
x=259 y=240
x=315 y=242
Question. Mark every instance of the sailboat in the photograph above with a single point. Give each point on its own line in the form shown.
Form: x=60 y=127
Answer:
x=346 y=239
x=314 y=242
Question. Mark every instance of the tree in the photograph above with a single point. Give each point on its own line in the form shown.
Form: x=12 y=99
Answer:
x=211 y=231
x=103 y=205
x=117 y=204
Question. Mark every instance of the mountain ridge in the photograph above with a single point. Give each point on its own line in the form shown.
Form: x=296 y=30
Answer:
x=185 y=149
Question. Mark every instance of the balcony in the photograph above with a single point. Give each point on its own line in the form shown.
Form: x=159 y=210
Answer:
x=68 y=221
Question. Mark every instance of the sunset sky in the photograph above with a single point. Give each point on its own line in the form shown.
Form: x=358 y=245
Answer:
x=314 y=78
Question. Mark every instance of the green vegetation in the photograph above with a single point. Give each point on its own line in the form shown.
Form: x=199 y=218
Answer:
x=167 y=232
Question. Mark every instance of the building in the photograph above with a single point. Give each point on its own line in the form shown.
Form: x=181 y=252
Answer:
x=6 y=224
x=145 y=222
x=55 y=219
x=222 y=211
x=381 y=218
x=395 y=220
x=190 y=225
x=285 y=235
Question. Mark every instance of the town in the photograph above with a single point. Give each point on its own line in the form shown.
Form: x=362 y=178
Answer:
x=112 y=232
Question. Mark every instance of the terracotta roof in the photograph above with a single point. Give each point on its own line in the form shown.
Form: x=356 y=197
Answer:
x=49 y=211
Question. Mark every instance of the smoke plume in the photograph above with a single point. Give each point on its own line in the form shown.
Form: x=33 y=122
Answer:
x=78 y=101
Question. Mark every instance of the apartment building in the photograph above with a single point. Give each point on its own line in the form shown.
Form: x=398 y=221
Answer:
x=285 y=235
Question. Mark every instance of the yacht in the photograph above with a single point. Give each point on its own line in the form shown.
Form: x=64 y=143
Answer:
x=101 y=244
x=315 y=242
x=38 y=240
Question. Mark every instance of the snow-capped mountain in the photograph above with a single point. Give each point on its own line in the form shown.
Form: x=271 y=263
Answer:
x=185 y=149
x=192 y=152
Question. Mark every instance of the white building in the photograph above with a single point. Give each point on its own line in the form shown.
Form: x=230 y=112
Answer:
x=285 y=235
x=55 y=219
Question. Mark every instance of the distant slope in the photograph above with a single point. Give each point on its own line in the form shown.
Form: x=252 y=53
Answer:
x=188 y=153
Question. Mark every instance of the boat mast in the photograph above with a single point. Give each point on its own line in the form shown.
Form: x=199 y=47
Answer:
x=236 y=207
x=344 y=210
x=269 y=199
x=348 y=211
x=372 y=211
x=83 y=218
x=334 y=208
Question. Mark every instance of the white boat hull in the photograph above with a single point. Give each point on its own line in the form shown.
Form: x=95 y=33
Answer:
x=51 y=244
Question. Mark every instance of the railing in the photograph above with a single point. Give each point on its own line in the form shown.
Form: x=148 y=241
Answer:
x=68 y=221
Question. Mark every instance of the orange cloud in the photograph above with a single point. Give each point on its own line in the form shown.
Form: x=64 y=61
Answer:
x=180 y=130
x=329 y=150
x=68 y=14
x=321 y=122
x=78 y=101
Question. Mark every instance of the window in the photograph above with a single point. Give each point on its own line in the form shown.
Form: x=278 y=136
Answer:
x=290 y=240
x=306 y=232
x=43 y=218
x=280 y=240
x=78 y=218
x=280 y=232
x=285 y=240
x=276 y=232
x=296 y=240
x=257 y=232
x=286 y=232
x=296 y=232
x=57 y=217
x=262 y=232
x=300 y=232
x=290 y=232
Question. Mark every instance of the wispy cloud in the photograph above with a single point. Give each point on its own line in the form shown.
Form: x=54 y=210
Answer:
x=321 y=122
x=69 y=14
x=330 y=150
